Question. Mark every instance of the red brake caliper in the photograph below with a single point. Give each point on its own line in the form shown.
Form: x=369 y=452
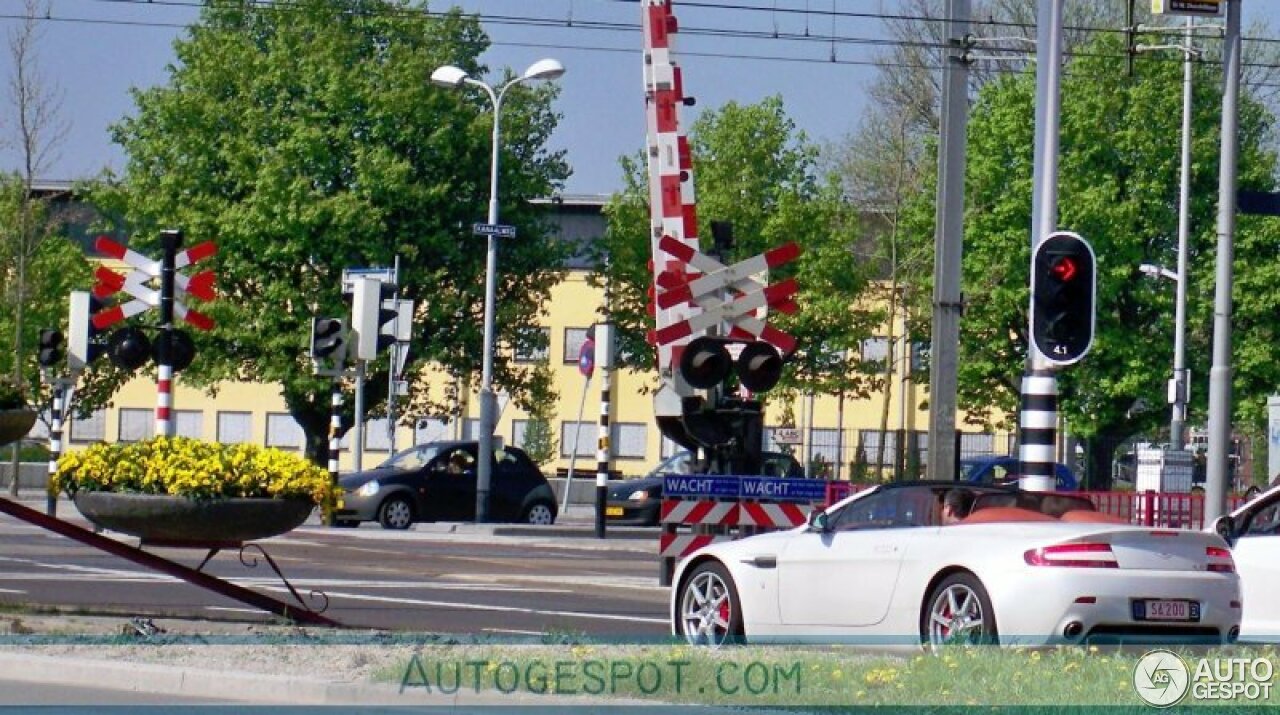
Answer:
x=724 y=610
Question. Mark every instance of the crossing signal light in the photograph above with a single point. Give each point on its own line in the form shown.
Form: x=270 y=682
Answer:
x=182 y=350
x=86 y=343
x=50 y=352
x=706 y=363
x=328 y=336
x=129 y=348
x=1063 y=293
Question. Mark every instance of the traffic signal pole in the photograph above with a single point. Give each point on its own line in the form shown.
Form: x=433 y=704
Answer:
x=1038 y=414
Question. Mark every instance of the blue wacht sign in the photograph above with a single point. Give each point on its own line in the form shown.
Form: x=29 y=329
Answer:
x=774 y=489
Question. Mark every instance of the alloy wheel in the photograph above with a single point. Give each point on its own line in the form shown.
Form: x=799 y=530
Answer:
x=706 y=610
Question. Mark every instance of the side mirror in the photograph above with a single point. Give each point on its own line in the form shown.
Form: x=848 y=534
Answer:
x=1225 y=527
x=818 y=521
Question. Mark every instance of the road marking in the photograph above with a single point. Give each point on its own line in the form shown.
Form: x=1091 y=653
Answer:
x=11 y=590
x=514 y=631
x=484 y=607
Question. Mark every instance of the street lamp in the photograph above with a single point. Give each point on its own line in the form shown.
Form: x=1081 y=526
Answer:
x=453 y=78
x=1178 y=387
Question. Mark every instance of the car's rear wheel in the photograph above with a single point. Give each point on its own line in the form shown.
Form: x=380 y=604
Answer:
x=395 y=513
x=709 y=611
x=958 y=611
x=540 y=513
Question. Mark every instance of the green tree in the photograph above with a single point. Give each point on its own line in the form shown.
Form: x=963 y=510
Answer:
x=305 y=138
x=539 y=437
x=1118 y=187
x=751 y=167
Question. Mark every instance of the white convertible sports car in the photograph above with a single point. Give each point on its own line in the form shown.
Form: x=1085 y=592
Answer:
x=1253 y=531
x=1023 y=568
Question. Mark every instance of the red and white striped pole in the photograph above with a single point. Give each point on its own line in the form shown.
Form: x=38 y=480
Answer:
x=170 y=241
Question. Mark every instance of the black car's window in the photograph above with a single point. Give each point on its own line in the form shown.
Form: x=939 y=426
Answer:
x=411 y=459
x=456 y=461
x=891 y=508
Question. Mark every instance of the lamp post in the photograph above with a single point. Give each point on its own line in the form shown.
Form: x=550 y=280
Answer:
x=1178 y=391
x=1178 y=386
x=454 y=77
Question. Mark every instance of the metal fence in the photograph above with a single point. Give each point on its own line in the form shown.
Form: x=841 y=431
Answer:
x=873 y=455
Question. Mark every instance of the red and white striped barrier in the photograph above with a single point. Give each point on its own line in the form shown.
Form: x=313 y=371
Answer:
x=774 y=515
x=699 y=513
x=677 y=546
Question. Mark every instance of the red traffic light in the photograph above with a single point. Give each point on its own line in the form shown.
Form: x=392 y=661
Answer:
x=1064 y=268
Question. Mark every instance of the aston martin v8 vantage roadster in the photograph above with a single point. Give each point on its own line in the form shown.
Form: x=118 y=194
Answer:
x=1022 y=568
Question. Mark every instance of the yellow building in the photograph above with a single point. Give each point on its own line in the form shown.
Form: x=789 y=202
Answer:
x=833 y=433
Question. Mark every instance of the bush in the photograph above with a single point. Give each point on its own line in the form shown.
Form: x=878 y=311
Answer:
x=181 y=466
x=11 y=395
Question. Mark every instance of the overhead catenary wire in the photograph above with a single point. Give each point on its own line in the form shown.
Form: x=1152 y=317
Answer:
x=694 y=31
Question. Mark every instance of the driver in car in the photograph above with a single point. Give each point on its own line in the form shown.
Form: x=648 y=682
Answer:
x=956 y=504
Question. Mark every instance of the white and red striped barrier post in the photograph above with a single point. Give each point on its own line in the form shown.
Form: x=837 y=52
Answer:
x=170 y=242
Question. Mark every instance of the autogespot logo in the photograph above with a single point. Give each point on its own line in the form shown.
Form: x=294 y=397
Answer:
x=1161 y=678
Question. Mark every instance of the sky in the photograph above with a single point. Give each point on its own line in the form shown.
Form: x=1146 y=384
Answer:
x=94 y=51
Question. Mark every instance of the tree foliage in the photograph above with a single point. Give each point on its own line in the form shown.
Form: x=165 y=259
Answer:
x=305 y=138
x=1118 y=187
x=753 y=168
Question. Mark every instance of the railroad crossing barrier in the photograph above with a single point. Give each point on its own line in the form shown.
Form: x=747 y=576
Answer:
x=702 y=509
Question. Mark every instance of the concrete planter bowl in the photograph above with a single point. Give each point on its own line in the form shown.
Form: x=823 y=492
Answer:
x=183 y=520
x=15 y=424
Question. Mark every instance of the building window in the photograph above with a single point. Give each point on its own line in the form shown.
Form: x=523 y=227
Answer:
x=90 y=429
x=582 y=434
x=875 y=353
x=135 y=424
x=376 y=437
x=430 y=430
x=235 y=427
x=188 y=423
x=629 y=439
x=869 y=442
x=533 y=345
x=284 y=432
x=471 y=429
x=573 y=340
x=824 y=453
x=976 y=444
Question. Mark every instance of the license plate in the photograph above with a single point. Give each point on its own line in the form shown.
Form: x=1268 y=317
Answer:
x=613 y=511
x=1164 y=610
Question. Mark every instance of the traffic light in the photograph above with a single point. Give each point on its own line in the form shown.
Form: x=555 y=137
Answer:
x=50 y=353
x=328 y=336
x=369 y=315
x=85 y=343
x=1062 y=298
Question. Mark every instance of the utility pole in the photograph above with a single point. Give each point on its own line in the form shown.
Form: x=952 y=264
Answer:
x=1038 y=417
x=1215 y=503
x=944 y=343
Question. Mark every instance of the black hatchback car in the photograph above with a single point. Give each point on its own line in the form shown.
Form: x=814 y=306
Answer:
x=638 y=502
x=437 y=482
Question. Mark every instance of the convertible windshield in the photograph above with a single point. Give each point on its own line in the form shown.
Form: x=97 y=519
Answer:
x=411 y=459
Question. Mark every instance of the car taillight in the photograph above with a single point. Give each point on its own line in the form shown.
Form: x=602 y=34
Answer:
x=1219 y=559
x=1086 y=555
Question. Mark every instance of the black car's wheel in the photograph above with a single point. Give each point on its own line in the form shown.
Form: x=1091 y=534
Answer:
x=958 y=611
x=709 y=612
x=395 y=513
x=539 y=512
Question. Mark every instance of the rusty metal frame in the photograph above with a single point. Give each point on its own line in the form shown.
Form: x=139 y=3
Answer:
x=195 y=577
